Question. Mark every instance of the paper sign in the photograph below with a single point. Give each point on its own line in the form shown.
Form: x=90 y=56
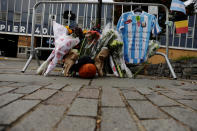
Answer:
x=153 y=10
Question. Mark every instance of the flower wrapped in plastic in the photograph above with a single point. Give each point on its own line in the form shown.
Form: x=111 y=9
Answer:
x=117 y=62
x=63 y=44
x=89 y=43
x=108 y=35
x=152 y=49
x=112 y=40
x=153 y=46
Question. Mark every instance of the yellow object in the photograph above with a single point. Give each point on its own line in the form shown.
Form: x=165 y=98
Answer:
x=69 y=30
x=85 y=31
x=180 y=24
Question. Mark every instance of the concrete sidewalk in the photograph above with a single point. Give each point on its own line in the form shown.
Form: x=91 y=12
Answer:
x=29 y=102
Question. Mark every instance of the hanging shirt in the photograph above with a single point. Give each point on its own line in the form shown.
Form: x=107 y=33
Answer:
x=136 y=30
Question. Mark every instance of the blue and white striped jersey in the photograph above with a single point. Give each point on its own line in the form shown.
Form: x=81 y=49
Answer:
x=136 y=30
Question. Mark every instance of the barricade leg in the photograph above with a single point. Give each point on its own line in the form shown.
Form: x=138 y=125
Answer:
x=27 y=63
x=169 y=64
x=37 y=59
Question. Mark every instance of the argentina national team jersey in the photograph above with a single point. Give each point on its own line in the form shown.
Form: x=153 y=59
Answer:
x=136 y=30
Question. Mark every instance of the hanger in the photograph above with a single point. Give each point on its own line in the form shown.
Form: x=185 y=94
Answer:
x=138 y=10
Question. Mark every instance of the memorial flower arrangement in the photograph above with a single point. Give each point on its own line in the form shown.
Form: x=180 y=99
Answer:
x=94 y=43
x=89 y=43
x=95 y=47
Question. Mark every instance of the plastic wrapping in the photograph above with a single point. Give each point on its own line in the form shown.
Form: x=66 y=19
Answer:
x=59 y=30
x=152 y=48
x=115 y=72
x=63 y=44
x=112 y=39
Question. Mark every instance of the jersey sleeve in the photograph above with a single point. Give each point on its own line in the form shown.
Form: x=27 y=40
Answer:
x=155 y=26
x=120 y=24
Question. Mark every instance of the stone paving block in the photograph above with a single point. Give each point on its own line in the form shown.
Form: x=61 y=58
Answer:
x=161 y=100
x=5 y=89
x=5 y=83
x=18 y=84
x=163 y=125
x=72 y=123
x=9 y=97
x=190 y=103
x=27 y=89
x=9 y=71
x=84 y=107
x=179 y=83
x=41 y=94
x=89 y=93
x=159 y=88
x=111 y=97
x=126 y=88
x=133 y=95
x=11 y=112
x=117 y=119
x=145 y=109
x=165 y=91
x=115 y=82
x=61 y=98
x=144 y=90
x=182 y=92
x=77 y=81
x=72 y=88
x=56 y=86
x=184 y=115
x=41 y=83
x=176 y=96
x=173 y=95
x=42 y=119
x=91 y=86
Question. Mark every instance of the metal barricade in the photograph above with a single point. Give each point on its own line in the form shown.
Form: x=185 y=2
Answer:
x=16 y=19
x=85 y=17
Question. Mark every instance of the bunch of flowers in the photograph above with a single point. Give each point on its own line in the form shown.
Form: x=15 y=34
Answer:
x=93 y=42
x=106 y=39
x=152 y=48
x=89 y=43
x=112 y=40
x=116 y=60
x=116 y=48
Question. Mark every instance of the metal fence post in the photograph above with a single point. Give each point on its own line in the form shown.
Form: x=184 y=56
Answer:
x=32 y=53
x=99 y=11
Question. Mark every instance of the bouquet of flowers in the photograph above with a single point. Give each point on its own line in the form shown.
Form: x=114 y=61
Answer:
x=89 y=43
x=116 y=60
x=112 y=40
x=152 y=48
x=108 y=35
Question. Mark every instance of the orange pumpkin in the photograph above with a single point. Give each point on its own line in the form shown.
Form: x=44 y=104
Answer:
x=87 y=70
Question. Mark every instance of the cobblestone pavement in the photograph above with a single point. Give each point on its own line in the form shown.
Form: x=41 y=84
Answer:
x=29 y=102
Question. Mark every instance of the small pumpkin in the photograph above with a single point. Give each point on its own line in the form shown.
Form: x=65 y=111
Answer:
x=87 y=70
